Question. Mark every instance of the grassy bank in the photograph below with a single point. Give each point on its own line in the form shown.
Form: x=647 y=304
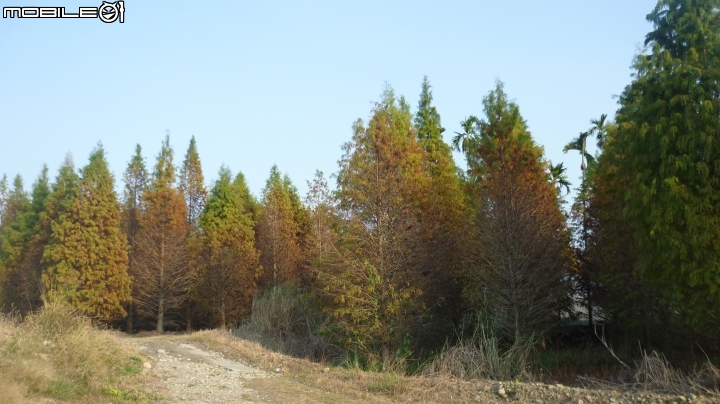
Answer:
x=57 y=355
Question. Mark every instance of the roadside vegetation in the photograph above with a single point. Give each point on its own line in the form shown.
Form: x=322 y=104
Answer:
x=56 y=353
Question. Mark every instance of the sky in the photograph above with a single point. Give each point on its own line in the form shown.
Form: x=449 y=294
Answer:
x=281 y=82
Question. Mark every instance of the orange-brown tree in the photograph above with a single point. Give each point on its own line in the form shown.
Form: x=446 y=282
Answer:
x=373 y=280
x=228 y=258
x=163 y=276
x=522 y=253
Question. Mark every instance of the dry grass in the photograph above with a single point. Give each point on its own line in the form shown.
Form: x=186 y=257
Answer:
x=56 y=354
x=482 y=357
x=653 y=373
x=302 y=380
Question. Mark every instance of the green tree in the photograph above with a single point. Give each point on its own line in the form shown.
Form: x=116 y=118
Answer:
x=229 y=260
x=24 y=289
x=14 y=231
x=446 y=213
x=87 y=252
x=136 y=182
x=192 y=184
x=667 y=130
x=558 y=176
x=4 y=192
x=277 y=232
x=321 y=206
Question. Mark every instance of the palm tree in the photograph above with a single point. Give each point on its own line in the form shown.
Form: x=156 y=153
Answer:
x=558 y=176
x=578 y=144
x=599 y=129
x=462 y=142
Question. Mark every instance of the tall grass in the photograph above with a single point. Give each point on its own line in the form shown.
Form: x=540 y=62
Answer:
x=284 y=321
x=481 y=355
x=56 y=353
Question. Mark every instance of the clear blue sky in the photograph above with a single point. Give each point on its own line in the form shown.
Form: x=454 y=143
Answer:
x=268 y=82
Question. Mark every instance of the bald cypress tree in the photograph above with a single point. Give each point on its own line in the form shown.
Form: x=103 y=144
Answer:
x=163 y=276
x=87 y=254
x=522 y=253
x=374 y=277
x=13 y=237
x=136 y=182
x=277 y=237
x=24 y=289
x=446 y=214
x=192 y=184
x=61 y=200
x=228 y=258
x=3 y=196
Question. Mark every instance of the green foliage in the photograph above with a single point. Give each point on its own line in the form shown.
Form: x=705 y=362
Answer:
x=228 y=257
x=278 y=231
x=24 y=240
x=87 y=252
x=666 y=148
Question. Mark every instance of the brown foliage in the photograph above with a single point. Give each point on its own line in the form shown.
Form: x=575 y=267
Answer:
x=163 y=276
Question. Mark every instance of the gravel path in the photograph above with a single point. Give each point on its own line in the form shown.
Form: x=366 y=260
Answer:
x=188 y=373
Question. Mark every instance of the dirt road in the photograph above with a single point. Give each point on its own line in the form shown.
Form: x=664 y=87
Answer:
x=189 y=373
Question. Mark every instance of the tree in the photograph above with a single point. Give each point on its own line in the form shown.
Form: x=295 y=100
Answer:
x=23 y=286
x=192 y=184
x=3 y=196
x=558 y=176
x=321 y=205
x=136 y=181
x=666 y=146
x=445 y=216
x=87 y=252
x=229 y=260
x=163 y=276
x=373 y=281
x=13 y=237
x=277 y=237
x=522 y=256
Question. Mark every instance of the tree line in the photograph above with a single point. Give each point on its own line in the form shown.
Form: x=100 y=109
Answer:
x=407 y=246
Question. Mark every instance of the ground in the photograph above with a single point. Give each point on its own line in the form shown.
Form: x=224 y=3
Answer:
x=214 y=367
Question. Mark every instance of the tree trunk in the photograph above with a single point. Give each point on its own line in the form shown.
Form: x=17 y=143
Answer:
x=222 y=316
x=129 y=324
x=161 y=316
